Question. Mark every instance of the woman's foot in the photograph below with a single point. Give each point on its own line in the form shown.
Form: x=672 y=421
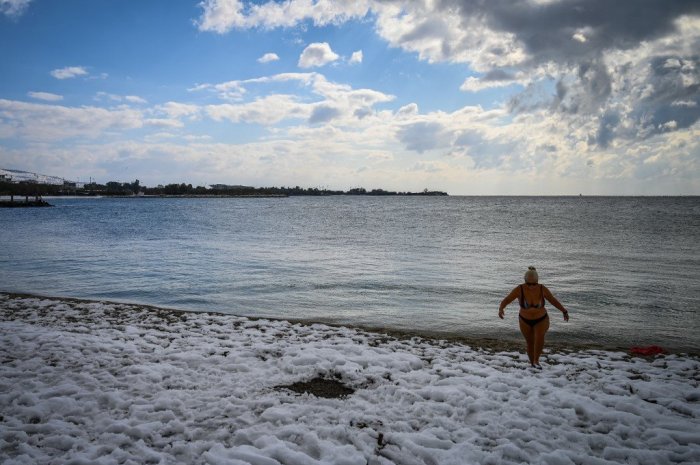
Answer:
x=536 y=365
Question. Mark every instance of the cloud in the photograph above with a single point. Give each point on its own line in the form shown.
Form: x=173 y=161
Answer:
x=68 y=72
x=471 y=150
x=135 y=99
x=120 y=98
x=474 y=84
x=43 y=122
x=684 y=103
x=14 y=8
x=594 y=106
x=178 y=110
x=231 y=90
x=236 y=90
x=407 y=110
x=323 y=114
x=598 y=57
x=319 y=100
x=606 y=129
x=268 y=57
x=422 y=136
x=107 y=96
x=545 y=30
x=427 y=167
x=356 y=57
x=317 y=54
x=484 y=34
x=466 y=147
x=163 y=122
x=221 y=16
x=266 y=110
x=493 y=78
x=46 y=96
x=579 y=37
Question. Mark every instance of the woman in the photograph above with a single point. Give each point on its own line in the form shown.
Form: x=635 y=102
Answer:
x=534 y=321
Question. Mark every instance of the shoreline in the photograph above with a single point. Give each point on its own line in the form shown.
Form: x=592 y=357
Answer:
x=94 y=382
x=24 y=204
x=435 y=337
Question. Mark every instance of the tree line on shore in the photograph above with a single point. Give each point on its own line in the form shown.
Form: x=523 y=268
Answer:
x=114 y=188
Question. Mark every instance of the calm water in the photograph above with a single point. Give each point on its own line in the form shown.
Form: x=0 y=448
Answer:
x=628 y=269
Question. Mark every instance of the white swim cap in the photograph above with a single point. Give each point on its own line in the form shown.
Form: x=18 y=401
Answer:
x=531 y=275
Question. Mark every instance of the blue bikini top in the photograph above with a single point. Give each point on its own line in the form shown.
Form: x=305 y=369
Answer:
x=525 y=304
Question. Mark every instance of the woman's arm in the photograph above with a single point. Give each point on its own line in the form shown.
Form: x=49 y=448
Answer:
x=509 y=298
x=553 y=300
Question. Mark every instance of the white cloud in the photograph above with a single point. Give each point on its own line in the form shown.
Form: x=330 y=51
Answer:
x=407 y=110
x=434 y=30
x=268 y=57
x=474 y=84
x=105 y=95
x=266 y=110
x=223 y=15
x=672 y=63
x=35 y=121
x=588 y=60
x=356 y=57
x=236 y=90
x=421 y=136
x=178 y=110
x=69 y=72
x=160 y=136
x=135 y=99
x=579 y=37
x=231 y=90
x=120 y=98
x=471 y=150
x=576 y=123
x=669 y=125
x=197 y=137
x=317 y=54
x=684 y=103
x=327 y=101
x=46 y=96
x=429 y=167
x=13 y=8
x=164 y=122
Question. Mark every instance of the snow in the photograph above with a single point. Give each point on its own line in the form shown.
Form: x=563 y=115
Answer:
x=108 y=383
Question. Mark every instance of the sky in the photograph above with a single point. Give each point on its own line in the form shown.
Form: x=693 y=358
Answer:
x=474 y=97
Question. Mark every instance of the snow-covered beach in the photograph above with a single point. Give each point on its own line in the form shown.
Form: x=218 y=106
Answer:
x=108 y=383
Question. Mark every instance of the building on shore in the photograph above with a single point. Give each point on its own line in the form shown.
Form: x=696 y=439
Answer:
x=27 y=177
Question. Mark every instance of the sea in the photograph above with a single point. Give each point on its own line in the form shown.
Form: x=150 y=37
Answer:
x=626 y=268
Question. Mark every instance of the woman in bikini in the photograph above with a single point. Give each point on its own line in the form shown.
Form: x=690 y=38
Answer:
x=534 y=321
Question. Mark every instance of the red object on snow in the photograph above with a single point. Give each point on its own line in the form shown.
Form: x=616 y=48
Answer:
x=649 y=350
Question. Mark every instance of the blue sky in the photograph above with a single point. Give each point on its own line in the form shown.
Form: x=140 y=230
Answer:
x=469 y=98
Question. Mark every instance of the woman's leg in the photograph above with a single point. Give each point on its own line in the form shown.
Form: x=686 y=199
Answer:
x=527 y=331
x=539 y=331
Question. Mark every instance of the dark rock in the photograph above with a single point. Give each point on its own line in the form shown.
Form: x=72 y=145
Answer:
x=320 y=387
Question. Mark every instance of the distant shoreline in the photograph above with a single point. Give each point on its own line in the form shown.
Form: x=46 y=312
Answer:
x=135 y=189
x=24 y=204
x=477 y=342
x=196 y=196
x=225 y=196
